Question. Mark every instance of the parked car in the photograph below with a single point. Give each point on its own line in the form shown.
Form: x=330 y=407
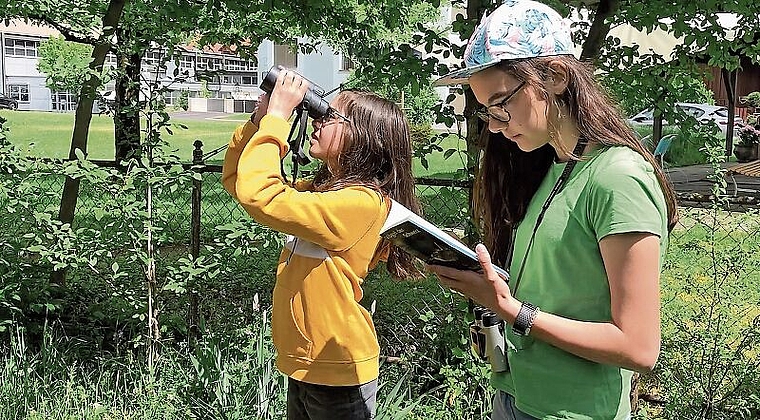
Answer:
x=702 y=112
x=8 y=102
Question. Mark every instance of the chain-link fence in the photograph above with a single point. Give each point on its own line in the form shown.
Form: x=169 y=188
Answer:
x=710 y=292
x=445 y=203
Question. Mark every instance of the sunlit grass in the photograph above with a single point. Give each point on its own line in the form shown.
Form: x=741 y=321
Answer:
x=48 y=134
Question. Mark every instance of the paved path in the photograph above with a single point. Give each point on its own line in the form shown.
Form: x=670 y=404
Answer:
x=694 y=187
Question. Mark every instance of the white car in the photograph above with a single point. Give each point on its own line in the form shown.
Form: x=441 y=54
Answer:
x=702 y=112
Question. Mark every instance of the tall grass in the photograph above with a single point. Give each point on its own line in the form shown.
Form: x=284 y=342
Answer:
x=51 y=383
x=226 y=378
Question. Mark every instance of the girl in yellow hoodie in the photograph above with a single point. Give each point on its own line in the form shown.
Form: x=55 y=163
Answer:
x=326 y=341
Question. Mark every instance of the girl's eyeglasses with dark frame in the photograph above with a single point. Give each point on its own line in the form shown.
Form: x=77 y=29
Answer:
x=499 y=111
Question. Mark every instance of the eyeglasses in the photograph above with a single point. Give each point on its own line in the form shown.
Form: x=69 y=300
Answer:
x=331 y=117
x=499 y=111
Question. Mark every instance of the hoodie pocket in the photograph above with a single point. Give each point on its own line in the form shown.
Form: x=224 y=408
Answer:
x=288 y=325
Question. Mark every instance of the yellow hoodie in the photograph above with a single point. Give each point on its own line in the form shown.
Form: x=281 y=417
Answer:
x=321 y=333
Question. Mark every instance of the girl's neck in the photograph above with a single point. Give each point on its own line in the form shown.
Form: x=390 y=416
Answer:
x=568 y=135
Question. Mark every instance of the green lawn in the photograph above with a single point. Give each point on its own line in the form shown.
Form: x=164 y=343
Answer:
x=48 y=134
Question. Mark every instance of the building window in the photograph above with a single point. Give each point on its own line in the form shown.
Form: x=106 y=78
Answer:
x=346 y=63
x=250 y=80
x=111 y=60
x=186 y=62
x=21 y=47
x=210 y=63
x=153 y=60
x=19 y=92
x=173 y=97
x=64 y=101
x=239 y=65
x=240 y=79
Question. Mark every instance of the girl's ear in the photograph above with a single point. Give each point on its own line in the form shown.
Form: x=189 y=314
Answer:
x=558 y=78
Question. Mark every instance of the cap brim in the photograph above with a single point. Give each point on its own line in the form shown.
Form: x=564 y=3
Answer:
x=462 y=76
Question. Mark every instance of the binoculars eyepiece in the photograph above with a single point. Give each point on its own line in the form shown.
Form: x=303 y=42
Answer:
x=313 y=101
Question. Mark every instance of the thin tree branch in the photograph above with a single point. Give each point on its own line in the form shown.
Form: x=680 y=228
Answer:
x=68 y=33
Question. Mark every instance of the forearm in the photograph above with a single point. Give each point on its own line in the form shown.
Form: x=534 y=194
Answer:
x=601 y=342
x=331 y=219
x=630 y=340
x=257 y=181
x=240 y=138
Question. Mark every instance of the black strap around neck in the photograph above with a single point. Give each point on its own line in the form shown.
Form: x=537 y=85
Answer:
x=558 y=186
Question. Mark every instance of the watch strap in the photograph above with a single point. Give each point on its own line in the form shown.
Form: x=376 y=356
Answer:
x=524 y=320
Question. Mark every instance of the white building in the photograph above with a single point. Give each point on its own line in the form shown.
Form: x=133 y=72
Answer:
x=232 y=88
x=19 y=77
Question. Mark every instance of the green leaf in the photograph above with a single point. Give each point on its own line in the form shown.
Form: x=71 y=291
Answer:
x=99 y=213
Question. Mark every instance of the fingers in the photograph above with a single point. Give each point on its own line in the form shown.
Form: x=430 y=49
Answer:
x=484 y=258
x=261 y=108
x=451 y=283
x=291 y=81
x=289 y=91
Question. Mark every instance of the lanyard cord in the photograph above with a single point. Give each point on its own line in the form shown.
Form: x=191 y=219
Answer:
x=558 y=186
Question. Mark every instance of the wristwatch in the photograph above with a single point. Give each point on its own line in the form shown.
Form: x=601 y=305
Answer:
x=524 y=320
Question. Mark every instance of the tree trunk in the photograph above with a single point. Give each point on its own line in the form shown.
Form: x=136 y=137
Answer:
x=84 y=115
x=600 y=27
x=729 y=80
x=127 y=109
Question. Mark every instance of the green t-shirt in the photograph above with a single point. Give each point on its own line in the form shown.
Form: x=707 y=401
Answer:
x=613 y=191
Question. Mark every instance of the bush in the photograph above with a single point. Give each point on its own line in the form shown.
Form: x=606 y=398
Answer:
x=753 y=99
x=183 y=102
x=686 y=148
x=421 y=134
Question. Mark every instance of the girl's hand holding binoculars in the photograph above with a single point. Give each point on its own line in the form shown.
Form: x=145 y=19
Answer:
x=288 y=93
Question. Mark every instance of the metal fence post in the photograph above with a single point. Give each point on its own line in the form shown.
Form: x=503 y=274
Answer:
x=195 y=243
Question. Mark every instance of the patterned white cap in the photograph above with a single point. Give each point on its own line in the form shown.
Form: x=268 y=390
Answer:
x=516 y=30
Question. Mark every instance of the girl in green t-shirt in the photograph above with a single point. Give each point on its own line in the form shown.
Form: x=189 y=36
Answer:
x=577 y=209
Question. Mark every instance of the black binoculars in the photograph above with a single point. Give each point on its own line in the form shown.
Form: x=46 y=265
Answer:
x=314 y=101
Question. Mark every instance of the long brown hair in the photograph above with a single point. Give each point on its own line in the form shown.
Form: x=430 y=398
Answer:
x=500 y=203
x=376 y=153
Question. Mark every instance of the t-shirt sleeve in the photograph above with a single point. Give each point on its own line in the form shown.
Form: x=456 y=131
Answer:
x=626 y=197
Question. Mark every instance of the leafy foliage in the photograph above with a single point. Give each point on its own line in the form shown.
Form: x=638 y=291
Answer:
x=418 y=106
x=708 y=365
x=626 y=89
x=65 y=64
